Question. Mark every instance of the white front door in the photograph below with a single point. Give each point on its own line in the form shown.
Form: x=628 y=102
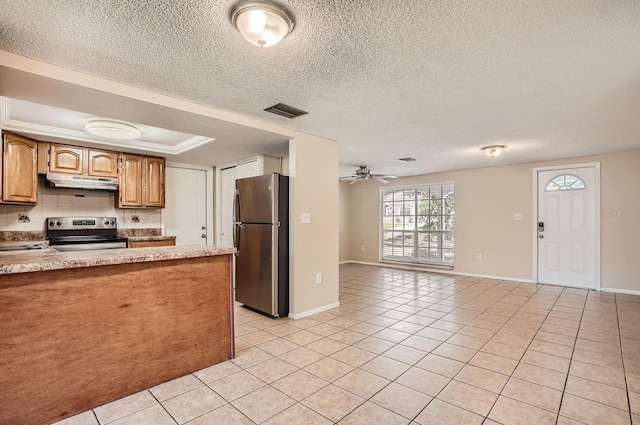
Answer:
x=228 y=178
x=185 y=215
x=567 y=227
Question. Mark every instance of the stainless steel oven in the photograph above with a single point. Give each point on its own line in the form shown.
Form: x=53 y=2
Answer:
x=83 y=233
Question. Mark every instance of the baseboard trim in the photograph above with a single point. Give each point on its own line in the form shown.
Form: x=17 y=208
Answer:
x=620 y=291
x=437 y=270
x=304 y=314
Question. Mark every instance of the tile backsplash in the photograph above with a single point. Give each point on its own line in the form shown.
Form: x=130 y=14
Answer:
x=74 y=202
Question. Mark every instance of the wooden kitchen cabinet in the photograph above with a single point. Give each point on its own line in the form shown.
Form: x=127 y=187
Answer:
x=19 y=170
x=153 y=181
x=130 y=189
x=66 y=159
x=102 y=163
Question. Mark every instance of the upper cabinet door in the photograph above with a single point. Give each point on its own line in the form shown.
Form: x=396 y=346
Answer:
x=102 y=163
x=130 y=191
x=154 y=182
x=20 y=170
x=66 y=159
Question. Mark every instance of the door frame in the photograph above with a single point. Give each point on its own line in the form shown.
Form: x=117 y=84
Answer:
x=209 y=174
x=536 y=170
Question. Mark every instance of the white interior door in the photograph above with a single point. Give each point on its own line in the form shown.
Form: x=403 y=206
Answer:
x=228 y=178
x=185 y=215
x=567 y=227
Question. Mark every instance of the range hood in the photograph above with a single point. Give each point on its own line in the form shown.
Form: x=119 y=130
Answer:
x=83 y=182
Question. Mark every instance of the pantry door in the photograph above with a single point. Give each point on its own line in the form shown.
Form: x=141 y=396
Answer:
x=567 y=227
x=185 y=215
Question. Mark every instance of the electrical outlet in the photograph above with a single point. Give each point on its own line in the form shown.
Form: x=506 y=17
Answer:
x=478 y=256
x=517 y=216
x=318 y=278
x=361 y=247
x=305 y=218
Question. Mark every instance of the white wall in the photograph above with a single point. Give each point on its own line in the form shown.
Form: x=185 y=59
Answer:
x=486 y=200
x=74 y=203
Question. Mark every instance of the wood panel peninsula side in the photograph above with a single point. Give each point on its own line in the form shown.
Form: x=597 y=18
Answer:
x=80 y=329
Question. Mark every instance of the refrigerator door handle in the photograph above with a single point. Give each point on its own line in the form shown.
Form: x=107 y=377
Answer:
x=236 y=207
x=237 y=227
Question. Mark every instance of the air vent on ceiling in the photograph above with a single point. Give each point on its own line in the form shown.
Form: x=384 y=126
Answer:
x=407 y=159
x=285 y=110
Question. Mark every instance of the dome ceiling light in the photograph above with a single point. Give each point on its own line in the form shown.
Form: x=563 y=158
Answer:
x=262 y=23
x=493 y=150
x=114 y=130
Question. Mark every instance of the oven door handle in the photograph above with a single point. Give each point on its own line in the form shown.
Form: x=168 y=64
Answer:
x=89 y=246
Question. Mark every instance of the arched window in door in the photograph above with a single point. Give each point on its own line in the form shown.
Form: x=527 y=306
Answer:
x=565 y=182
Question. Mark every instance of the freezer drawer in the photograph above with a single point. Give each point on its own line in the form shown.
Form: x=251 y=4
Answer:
x=256 y=267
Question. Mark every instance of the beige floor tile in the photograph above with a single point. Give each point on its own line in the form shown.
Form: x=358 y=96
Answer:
x=333 y=402
x=566 y=421
x=561 y=330
x=440 y=365
x=551 y=348
x=84 y=418
x=401 y=400
x=329 y=369
x=514 y=340
x=482 y=378
x=374 y=345
x=391 y=335
x=468 y=397
x=407 y=327
x=494 y=363
x=192 y=404
x=404 y=354
x=348 y=337
x=235 y=386
x=599 y=374
x=125 y=406
x=303 y=337
x=251 y=356
x=385 y=367
x=503 y=350
x=476 y=332
x=215 y=372
x=271 y=370
x=175 y=387
x=435 y=334
x=451 y=322
x=262 y=404
x=559 y=364
x=599 y=359
x=362 y=383
x=326 y=346
x=423 y=381
x=455 y=352
x=598 y=347
x=301 y=357
x=439 y=413
x=568 y=341
x=421 y=343
x=225 y=415
x=512 y=412
x=634 y=402
x=298 y=414
x=467 y=341
x=370 y=413
x=588 y=412
x=353 y=356
x=533 y=394
x=241 y=345
x=366 y=328
x=278 y=346
x=258 y=337
x=541 y=376
x=324 y=329
x=605 y=394
x=607 y=338
x=154 y=415
x=300 y=384
x=282 y=330
x=305 y=323
x=633 y=382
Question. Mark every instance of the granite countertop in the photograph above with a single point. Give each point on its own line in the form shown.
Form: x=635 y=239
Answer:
x=50 y=259
x=150 y=238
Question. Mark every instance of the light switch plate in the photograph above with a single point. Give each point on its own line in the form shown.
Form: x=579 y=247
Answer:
x=305 y=218
x=517 y=216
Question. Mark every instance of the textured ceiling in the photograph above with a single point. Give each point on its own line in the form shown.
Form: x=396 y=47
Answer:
x=435 y=80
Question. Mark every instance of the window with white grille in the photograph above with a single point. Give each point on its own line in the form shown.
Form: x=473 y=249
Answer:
x=417 y=224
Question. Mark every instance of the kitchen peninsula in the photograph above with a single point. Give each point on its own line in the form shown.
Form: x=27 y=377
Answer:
x=80 y=329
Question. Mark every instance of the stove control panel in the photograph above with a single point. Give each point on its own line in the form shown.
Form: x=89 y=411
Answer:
x=81 y=223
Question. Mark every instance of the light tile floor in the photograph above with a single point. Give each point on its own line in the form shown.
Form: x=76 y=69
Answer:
x=420 y=348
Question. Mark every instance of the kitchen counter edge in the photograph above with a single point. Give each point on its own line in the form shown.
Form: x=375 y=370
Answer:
x=54 y=260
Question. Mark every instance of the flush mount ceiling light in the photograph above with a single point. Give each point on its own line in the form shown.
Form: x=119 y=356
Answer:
x=493 y=150
x=115 y=130
x=261 y=22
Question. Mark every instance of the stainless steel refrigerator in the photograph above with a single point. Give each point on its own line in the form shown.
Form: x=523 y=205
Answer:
x=261 y=236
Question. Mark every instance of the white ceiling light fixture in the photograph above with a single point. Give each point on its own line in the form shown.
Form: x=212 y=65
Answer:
x=493 y=150
x=114 y=130
x=262 y=23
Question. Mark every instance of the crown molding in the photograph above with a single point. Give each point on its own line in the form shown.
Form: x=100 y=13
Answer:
x=17 y=126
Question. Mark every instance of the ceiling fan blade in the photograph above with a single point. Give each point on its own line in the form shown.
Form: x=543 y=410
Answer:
x=388 y=177
x=348 y=178
x=355 y=181
x=381 y=180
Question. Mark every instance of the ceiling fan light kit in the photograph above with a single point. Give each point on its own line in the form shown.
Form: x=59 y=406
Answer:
x=363 y=173
x=262 y=23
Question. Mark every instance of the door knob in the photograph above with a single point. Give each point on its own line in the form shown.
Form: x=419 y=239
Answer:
x=203 y=236
x=203 y=228
x=541 y=236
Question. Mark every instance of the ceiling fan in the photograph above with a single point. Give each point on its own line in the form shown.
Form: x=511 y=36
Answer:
x=363 y=173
